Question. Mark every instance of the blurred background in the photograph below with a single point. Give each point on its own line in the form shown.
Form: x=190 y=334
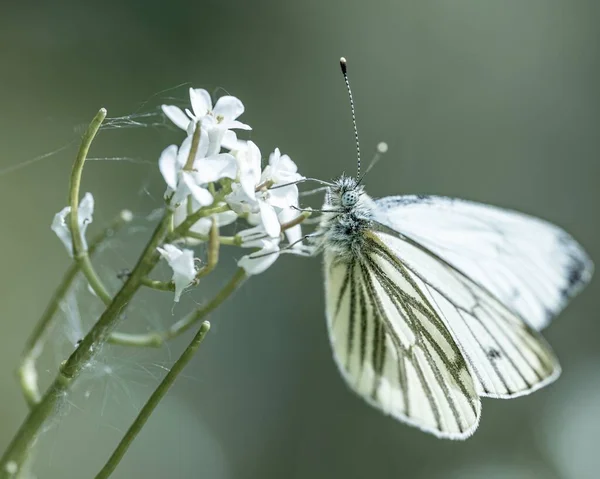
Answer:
x=496 y=102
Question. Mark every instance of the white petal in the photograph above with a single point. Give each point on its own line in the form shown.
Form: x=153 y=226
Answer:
x=235 y=125
x=253 y=218
x=283 y=169
x=62 y=230
x=274 y=157
x=248 y=184
x=181 y=194
x=85 y=215
x=204 y=145
x=269 y=219
x=176 y=115
x=283 y=197
x=200 y=194
x=169 y=252
x=249 y=168
x=182 y=264
x=215 y=167
x=226 y=218
x=256 y=263
x=231 y=142
x=201 y=102
x=216 y=136
x=239 y=201
x=203 y=225
x=286 y=164
x=255 y=237
x=228 y=107
x=180 y=214
x=167 y=164
x=294 y=233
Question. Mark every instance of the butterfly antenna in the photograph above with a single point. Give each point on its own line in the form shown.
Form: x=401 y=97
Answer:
x=344 y=67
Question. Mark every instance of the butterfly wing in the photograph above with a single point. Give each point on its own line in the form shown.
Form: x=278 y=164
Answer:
x=507 y=357
x=529 y=265
x=393 y=349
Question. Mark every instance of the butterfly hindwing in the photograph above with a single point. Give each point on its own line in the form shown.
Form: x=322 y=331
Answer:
x=394 y=351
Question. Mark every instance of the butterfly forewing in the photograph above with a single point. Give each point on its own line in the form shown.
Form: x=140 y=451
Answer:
x=528 y=264
x=507 y=357
x=393 y=349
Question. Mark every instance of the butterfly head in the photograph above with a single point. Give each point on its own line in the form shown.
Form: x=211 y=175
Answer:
x=348 y=199
x=345 y=194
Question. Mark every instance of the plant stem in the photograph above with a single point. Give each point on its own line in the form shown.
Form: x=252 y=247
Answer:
x=158 y=285
x=152 y=402
x=33 y=348
x=158 y=338
x=80 y=252
x=213 y=252
x=28 y=432
x=182 y=229
x=189 y=165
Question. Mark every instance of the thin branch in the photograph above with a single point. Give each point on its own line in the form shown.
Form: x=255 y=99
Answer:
x=80 y=252
x=213 y=251
x=182 y=230
x=158 y=285
x=152 y=402
x=189 y=164
x=158 y=338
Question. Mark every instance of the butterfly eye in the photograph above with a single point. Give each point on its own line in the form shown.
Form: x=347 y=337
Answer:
x=349 y=198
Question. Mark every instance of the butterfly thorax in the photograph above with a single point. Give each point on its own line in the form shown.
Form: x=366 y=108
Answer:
x=348 y=215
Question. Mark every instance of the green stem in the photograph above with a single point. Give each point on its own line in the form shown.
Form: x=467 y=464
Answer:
x=35 y=344
x=158 y=285
x=213 y=252
x=158 y=338
x=80 y=252
x=189 y=164
x=21 y=443
x=182 y=230
x=152 y=402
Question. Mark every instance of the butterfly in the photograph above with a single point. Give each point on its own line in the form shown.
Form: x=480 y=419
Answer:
x=433 y=303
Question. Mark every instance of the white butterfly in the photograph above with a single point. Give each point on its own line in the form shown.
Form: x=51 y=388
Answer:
x=435 y=302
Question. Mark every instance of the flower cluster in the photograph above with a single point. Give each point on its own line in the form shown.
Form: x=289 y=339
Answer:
x=213 y=168
x=215 y=178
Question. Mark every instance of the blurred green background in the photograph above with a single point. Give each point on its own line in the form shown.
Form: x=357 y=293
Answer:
x=494 y=101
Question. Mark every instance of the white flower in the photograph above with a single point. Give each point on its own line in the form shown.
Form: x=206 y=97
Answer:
x=245 y=199
x=268 y=250
x=207 y=167
x=182 y=264
x=224 y=114
x=63 y=229
x=218 y=121
x=261 y=260
x=281 y=169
